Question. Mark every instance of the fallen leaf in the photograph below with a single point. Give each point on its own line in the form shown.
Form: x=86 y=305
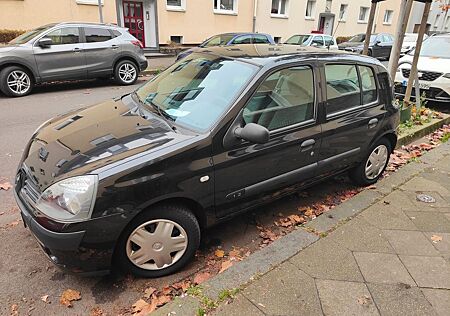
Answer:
x=69 y=296
x=219 y=253
x=225 y=265
x=14 y=310
x=182 y=285
x=235 y=253
x=141 y=307
x=201 y=277
x=5 y=186
x=436 y=238
x=96 y=311
x=364 y=300
x=149 y=291
x=45 y=299
x=371 y=187
x=12 y=224
x=163 y=299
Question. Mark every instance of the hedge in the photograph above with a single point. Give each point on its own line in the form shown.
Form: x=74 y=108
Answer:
x=341 y=39
x=7 y=35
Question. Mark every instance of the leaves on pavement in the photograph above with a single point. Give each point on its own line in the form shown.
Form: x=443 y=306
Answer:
x=225 y=265
x=5 y=185
x=45 y=299
x=201 y=277
x=149 y=291
x=68 y=296
x=96 y=311
x=436 y=238
x=219 y=253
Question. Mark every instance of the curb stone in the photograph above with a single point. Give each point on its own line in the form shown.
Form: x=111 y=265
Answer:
x=425 y=130
x=264 y=260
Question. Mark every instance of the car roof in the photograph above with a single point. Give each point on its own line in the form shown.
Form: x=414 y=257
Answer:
x=240 y=33
x=264 y=54
x=88 y=24
x=312 y=34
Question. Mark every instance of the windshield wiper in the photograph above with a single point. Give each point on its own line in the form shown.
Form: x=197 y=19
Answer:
x=157 y=110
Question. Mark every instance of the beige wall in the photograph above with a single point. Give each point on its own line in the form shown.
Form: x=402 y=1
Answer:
x=199 y=21
x=28 y=14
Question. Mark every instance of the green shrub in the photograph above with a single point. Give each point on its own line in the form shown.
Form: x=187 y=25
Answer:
x=7 y=35
x=341 y=39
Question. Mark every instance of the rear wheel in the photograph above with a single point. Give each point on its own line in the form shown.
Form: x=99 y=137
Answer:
x=159 y=242
x=15 y=81
x=371 y=168
x=126 y=72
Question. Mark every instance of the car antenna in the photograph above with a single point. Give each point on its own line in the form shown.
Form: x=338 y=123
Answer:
x=332 y=35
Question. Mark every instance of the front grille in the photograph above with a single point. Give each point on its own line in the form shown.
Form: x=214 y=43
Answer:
x=426 y=75
x=432 y=93
x=28 y=185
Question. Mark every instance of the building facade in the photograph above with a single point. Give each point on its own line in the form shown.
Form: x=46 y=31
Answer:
x=159 y=22
x=438 y=18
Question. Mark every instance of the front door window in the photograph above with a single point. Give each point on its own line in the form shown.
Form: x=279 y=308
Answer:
x=133 y=18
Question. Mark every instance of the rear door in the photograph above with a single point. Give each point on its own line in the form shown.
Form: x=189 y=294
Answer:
x=65 y=58
x=352 y=114
x=247 y=174
x=101 y=49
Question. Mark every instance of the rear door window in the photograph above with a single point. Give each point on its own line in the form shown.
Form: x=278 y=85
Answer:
x=95 y=35
x=343 y=88
x=368 y=85
x=246 y=39
x=329 y=41
x=260 y=39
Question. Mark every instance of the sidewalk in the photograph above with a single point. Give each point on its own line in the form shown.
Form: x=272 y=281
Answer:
x=391 y=259
x=381 y=252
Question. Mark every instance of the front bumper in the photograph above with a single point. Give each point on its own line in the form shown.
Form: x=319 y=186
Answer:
x=438 y=91
x=67 y=250
x=143 y=63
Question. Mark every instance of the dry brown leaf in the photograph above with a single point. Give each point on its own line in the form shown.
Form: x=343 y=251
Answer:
x=5 y=186
x=235 y=253
x=182 y=285
x=163 y=299
x=166 y=290
x=149 y=291
x=45 y=299
x=201 y=277
x=364 y=300
x=96 y=311
x=139 y=306
x=12 y=224
x=225 y=265
x=14 y=310
x=219 y=253
x=436 y=238
x=69 y=296
x=147 y=309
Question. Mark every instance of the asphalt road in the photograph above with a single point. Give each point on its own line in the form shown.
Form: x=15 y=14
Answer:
x=25 y=273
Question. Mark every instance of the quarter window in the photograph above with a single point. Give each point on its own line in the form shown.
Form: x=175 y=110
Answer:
x=369 y=86
x=285 y=98
x=94 y=34
x=343 y=90
x=67 y=35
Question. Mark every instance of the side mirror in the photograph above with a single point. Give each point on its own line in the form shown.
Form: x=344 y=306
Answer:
x=378 y=42
x=314 y=44
x=253 y=133
x=45 y=42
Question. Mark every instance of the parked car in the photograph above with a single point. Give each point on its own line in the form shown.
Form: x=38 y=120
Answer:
x=136 y=180
x=409 y=42
x=433 y=68
x=380 y=45
x=315 y=40
x=227 y=39
x=69 y=51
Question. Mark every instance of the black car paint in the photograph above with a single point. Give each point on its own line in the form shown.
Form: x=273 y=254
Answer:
x=168 y=164
x=378 y=48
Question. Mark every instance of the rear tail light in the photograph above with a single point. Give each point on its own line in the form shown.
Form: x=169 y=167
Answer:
x=137 y=43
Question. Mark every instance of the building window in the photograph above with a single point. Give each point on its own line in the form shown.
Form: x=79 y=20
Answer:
x=436 y=21
x=225 y=6
x=279 y=7
x=388 y=14
x=176 y=5
x=177 y=39
x=343 y=12
x=363 y=14
x=310 y=8
x=328 y=5
x=90 y=2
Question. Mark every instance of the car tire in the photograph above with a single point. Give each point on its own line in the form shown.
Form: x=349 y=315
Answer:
x=16 y=81
x=150 y=229
x=373 y=165
x=369 y=52
x=126 y=72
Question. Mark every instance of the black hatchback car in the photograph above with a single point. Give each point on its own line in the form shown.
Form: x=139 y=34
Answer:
x=136 y=180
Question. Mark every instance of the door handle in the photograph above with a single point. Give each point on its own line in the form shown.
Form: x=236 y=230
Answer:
x=115 y=46
x=307 y=144
x=373 y=122
x=77 y=50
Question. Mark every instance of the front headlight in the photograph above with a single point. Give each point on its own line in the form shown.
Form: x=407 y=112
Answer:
x=70 y=199
x=447 y=76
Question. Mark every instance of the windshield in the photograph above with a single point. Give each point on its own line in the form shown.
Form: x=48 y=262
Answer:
x=217 y=40
x=435 y=47
x=197 y=90
x=25 y=37
x=298 y=39
x=357 y=38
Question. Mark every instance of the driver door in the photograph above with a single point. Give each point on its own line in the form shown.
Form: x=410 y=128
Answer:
x=247 y=174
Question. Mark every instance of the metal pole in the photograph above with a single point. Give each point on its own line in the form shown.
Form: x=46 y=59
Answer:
x=100 y=10
x=255 y=10
x=413 y=73
x=405 y=11
x=373 y=8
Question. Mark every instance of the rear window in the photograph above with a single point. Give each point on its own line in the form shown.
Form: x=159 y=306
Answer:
x=94 y=34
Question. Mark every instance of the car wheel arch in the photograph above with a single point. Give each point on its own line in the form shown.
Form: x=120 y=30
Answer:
x=25 y=67
x=390 y=136
x=125 y=57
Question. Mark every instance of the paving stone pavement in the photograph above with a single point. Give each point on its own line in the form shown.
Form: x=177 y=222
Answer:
x=393 y=258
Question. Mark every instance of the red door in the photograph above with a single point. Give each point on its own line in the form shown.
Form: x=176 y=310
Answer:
x=133 y=18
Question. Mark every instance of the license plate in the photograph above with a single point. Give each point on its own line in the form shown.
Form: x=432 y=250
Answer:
x=423 y=86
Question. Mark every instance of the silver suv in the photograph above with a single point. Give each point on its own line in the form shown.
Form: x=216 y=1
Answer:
x=69 y=51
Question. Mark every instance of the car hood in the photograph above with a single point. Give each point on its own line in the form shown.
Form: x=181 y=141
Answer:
x=436 y=64
x=350 y=44
x=82 y=142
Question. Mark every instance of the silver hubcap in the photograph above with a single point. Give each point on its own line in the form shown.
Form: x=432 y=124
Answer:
x=127 y=73
x=156 y=244
x=376 y=162
x=19 y=82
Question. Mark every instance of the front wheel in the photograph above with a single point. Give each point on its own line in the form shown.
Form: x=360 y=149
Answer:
x=159 y=241
x=371 y=168
x=15 y=81
x=126 y=72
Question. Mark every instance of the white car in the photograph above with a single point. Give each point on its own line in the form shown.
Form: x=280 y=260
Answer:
x=314 y=40
x=433 y=67
x=409 y=42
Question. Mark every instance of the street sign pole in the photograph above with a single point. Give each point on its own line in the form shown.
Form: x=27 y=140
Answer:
x=100 y=10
